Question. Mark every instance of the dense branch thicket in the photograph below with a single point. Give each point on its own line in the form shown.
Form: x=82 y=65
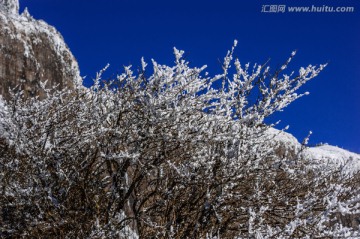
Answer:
x=173 y=155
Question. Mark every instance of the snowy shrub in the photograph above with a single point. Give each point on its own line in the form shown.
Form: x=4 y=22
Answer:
x=176 y=154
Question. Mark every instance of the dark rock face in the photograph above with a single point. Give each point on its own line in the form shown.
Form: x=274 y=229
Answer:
x=31 y=52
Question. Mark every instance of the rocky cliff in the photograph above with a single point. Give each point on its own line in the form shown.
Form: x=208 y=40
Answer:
x=31 y=51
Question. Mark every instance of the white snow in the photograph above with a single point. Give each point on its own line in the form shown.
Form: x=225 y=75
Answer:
x=327 y=154
x=335 y=156
x=283 y=137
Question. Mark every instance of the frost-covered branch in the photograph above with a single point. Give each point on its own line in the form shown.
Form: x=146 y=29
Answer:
x=166 y=154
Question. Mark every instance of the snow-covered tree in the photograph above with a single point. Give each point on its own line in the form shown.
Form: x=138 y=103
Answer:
x=170 y=154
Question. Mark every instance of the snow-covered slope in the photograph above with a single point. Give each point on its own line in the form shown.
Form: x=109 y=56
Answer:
x=32 y=51
x=286 y=144
x=336 y=156
x=324 y=154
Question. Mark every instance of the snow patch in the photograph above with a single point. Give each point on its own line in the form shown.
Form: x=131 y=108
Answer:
x=335 y=156
x=324 y=154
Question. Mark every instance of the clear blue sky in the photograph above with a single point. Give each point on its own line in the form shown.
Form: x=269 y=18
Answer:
x=120 y=32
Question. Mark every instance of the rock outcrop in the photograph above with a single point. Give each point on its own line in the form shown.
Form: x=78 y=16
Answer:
x=31 y=52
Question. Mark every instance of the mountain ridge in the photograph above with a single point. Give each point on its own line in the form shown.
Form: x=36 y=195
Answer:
x=325 y=153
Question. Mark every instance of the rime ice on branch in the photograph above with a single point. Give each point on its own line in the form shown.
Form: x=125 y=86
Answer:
x=171 y=154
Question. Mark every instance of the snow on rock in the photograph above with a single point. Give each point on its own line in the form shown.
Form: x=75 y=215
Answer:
x=31 y=51
x=336 y=156
x=287 y=145
x=325 y=154
x=10 y=6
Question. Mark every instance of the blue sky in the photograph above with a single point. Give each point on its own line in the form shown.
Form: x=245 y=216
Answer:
x=120 y=32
